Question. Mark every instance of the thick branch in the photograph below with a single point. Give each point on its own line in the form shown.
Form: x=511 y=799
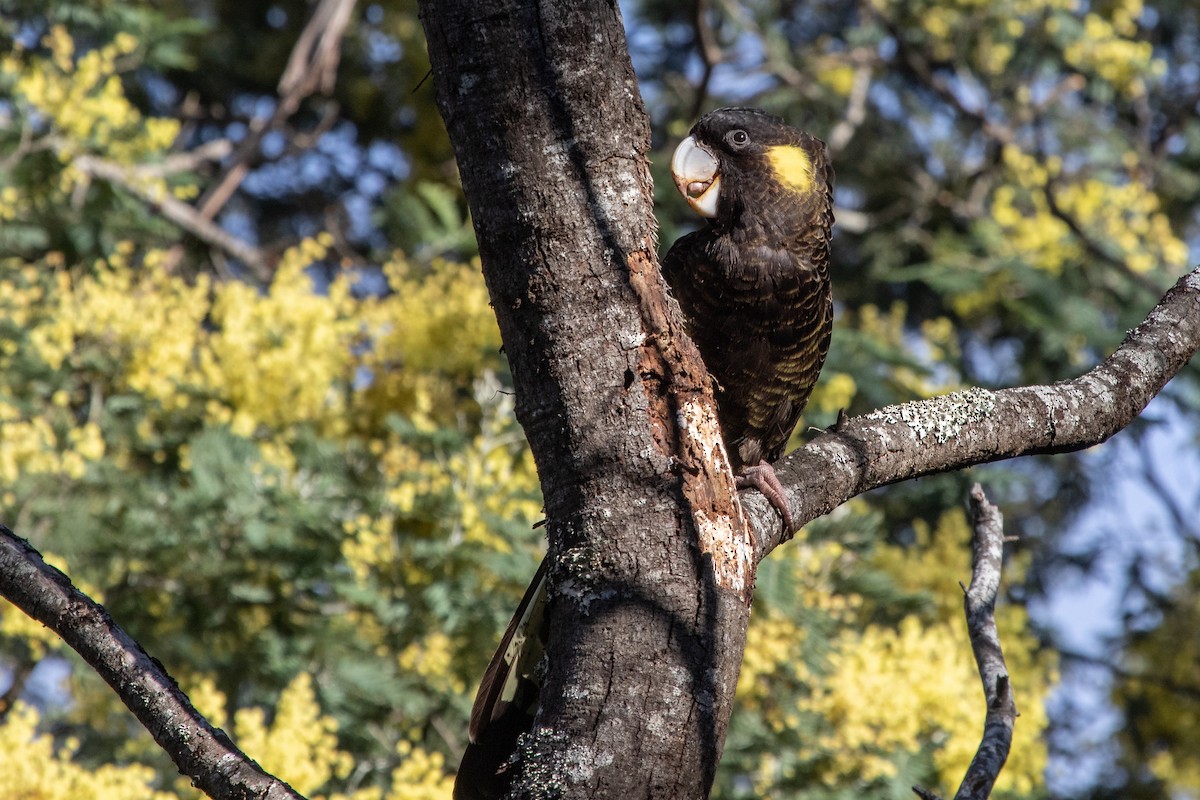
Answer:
x=977 y=426
x=200 y=751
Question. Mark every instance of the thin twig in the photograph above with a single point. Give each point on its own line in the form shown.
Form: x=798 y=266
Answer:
x=979 y=601
x=187 y=161
x=177 y=211
x=710 y=52
x=980 y=606
x=312 y=66
x=856 y=110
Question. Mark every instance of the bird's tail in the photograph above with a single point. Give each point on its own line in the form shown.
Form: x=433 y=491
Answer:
x=506 y=701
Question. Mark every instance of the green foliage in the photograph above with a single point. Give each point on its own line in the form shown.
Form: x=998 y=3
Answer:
x=430 y=221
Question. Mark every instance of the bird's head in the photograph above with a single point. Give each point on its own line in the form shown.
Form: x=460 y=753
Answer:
x=736 y=154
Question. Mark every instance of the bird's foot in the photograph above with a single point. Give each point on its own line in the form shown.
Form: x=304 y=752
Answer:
x=762 y=477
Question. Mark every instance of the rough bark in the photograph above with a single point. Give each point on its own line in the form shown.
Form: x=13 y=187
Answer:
x=977 y=426
x=651 y=572
x=979 y=603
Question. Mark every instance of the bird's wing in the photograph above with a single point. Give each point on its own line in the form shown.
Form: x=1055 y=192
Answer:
x=520 y=649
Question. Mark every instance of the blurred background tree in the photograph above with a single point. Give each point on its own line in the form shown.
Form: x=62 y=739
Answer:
x=252 y=395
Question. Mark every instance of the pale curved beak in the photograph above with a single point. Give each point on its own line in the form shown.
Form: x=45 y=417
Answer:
x=695 y=171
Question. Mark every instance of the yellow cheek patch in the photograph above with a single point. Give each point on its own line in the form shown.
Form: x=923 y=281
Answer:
x=793 y=168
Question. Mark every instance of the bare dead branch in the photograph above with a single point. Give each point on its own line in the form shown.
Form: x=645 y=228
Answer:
x=177 y=211
x=19 y=679
x=710 y=51
x=979 y=602
x=977 y=426
x=856 y=110
x=188 y=160
x=201 y=752
x=312 y=66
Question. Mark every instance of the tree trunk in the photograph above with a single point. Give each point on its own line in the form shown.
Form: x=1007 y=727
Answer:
x=651 y=572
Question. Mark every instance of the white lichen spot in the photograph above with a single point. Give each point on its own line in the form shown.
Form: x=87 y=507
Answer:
x=939 y=417
x=679 y=676
x=632 y=338
x=1051 y=398
x=574 y=692
x=1146 y=361
x=582 y=593
x=657 y=726
x=581 y=763
x=838 y=454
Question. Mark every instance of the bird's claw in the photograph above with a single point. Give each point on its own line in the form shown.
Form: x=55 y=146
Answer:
x=762 y=476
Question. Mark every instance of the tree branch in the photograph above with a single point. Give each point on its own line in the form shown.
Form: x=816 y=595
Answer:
x=979 y=602
x=710 y=51
x=201 y=752
x=177 y=211
x=977 y=426
x=312 y=66
x=856 y=107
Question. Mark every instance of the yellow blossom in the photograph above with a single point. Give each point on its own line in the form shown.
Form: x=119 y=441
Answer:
x=432 y=658
x=31 y=766
x=869 y=718
x=300 y=744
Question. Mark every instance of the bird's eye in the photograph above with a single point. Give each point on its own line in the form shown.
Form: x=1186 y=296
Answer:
x=738 y=138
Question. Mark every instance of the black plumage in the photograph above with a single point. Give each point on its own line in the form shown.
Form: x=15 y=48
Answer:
x=506 y=701
x=753 y=283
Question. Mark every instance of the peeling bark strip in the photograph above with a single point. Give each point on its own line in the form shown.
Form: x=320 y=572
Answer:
x=201 y=752
x=707 y=480
x=723 y=532
x=978 y=426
